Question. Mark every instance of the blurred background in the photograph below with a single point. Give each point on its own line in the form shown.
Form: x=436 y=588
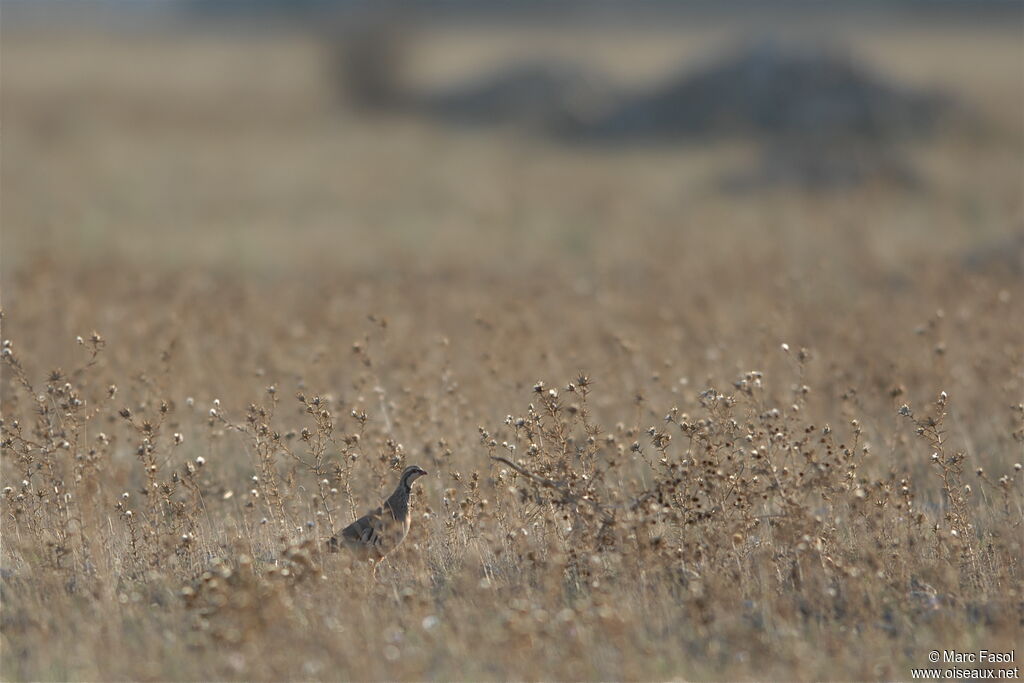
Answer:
x=269 y=136
x=413 y=213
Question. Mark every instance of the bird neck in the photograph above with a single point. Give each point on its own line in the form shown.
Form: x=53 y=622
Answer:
x=399 y=500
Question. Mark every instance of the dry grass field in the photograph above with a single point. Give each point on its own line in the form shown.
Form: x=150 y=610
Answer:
x=768 y=436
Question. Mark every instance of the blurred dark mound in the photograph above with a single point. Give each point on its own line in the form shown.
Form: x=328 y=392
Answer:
x=772 y=90
x=822 y=120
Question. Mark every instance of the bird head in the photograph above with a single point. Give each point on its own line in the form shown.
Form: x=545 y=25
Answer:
x=411 y=474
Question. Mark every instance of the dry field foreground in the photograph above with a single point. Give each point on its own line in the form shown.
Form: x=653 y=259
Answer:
x=290 y=304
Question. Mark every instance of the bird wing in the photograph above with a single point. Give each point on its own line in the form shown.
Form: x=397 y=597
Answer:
x=369 y=531
x=366 y=529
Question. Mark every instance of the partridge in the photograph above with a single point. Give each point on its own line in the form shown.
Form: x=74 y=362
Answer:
x=382 y=530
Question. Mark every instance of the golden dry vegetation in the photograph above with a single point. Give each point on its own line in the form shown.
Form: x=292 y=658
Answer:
x=232 y=313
